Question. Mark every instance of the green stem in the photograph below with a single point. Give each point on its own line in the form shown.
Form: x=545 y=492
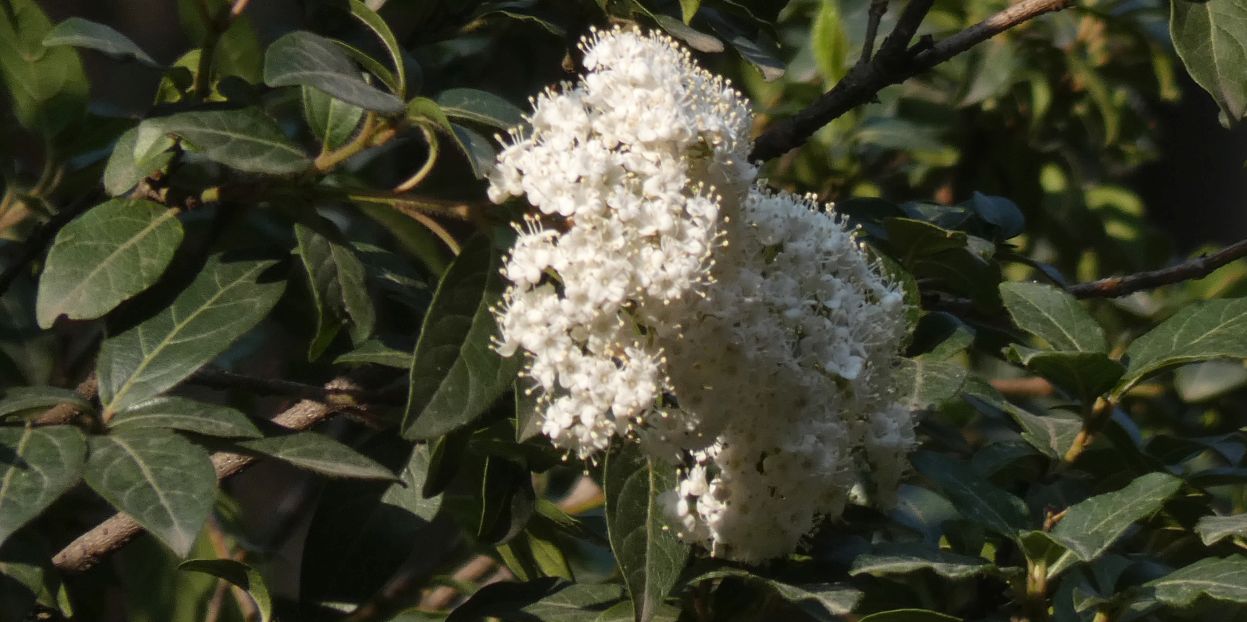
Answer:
x=327 y=161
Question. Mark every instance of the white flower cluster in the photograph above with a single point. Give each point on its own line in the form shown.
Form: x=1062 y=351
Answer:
x=660 y=296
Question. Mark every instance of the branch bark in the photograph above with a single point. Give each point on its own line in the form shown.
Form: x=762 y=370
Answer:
x=93 y=546
x=1117 y=286
x=865 y=80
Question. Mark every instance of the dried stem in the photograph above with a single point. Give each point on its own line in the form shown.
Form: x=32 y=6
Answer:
x=93 y=546
x=877 y=9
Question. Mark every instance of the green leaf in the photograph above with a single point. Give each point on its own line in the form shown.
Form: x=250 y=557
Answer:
x=999 y=212
x=163 y=481
x=547 y=600
x=18 y=399
x=187 y=415
x=1089 y=528
x=125 y=168
x=455 y=373
x=26 y=577
x=479 y=107
x=36 y=466
x=978 y=499
x=115 y=250
x=477 y=149
x=78 y=32
x=650 y=556
x=245 y=139
x=904 y=559
x=48 y=87
x=376 y=352
x=688 y=8
x=1201 y=331
x=225 y=300
x=1054 y=316
x=931 y=382
x=1201 y=382
x=378 y=26
x=1084 y=375
x=1051 y=434
x=332 y=121
x=305 y=59
x=338 y=284
x=829 y=43
x=318 y=453
x=909 y=615
x=238 y=53
x=350 y=549
x=825 y=602
x=239 y=574
x=695 y=39
x=1213 y=529
x=1218 y=579
x=1211 y=39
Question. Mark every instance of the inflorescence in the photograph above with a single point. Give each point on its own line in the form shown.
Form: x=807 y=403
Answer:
x=662 y=296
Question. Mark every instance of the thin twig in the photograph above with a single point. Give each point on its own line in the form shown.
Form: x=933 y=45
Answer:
x=865 y=80
x=64 y=413
x=894 y=46
x=877 y=10
x=93 y=546
x=1198 y=268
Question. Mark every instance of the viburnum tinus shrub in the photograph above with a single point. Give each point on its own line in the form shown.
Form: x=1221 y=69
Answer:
x=304 y=319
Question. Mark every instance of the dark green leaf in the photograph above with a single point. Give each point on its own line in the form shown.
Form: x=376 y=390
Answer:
x=475 y=148
x=337 y=283
x=1084 y=375
x=696 y=39
x=332 y=121
x=548 y=600
x=479 y=107
x=224 y=301
x=507 y=501
x=383 y=32
x=824 y=602
x=754 y=44
x=978 y=499
x=36 y=466
x=903 y=559
x=18 y=399
x=245 y=139
x=78 y=32
x=125 y=168
x=1213 y=529
x=929 y=382
x=239 y=574
x=238 y=53
x=1090 y=527
x=924 y=511
x=1218 y=579
x=1054 y=316
x=162 y=480
x=909 y=615
x=179 y=413
x=1211 y=40
x=116 y=250
x=26 y=577
x=1199 y=332
x=649 y=554
x=1051 y=434
x=305 y=59
x=318 y=453
x=1000 y=213
x=48 y=87
x=455 y=373
x=377 y=352
x=363 y=532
